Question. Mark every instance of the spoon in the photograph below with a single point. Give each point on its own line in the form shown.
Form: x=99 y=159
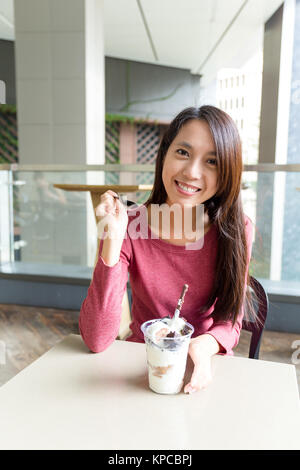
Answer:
x=179 y=305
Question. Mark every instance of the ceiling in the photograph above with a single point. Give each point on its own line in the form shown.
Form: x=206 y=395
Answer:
x=199 y=35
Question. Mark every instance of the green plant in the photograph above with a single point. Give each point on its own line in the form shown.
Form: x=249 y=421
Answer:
x=8 y=108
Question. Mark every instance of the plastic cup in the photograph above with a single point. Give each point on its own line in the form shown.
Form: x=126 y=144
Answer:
x=167 y=362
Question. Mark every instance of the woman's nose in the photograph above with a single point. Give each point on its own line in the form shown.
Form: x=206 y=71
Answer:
x=192 y=170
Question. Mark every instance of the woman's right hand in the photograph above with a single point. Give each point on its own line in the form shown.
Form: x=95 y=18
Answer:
x=112 y=216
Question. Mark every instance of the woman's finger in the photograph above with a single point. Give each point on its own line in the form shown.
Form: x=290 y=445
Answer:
x=101 y=210
x=107 y=204
x=189 y=389
x=118 y=206
x=113 y=193
x=107 y=197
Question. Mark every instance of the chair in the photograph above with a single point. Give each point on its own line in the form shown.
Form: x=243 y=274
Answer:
x=256 y=327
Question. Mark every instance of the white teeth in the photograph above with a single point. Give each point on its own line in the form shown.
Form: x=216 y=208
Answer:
x=185 y=188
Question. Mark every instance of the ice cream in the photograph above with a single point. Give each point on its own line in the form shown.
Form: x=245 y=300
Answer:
x=160 y=329
x=167 y=342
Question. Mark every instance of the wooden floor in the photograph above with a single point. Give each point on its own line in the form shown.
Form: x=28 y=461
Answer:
x=28 y=332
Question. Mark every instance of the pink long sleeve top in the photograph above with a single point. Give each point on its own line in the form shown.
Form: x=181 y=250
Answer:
x=157 y=271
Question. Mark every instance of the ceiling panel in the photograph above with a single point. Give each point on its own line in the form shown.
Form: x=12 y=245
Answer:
x=184 y=32
x=125 y=34
x=198 y=35
x=242 y=40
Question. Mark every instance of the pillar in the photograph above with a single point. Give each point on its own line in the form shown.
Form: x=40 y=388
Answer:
x=60 y=81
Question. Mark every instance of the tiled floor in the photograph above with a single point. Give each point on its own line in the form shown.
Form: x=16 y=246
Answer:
x=28 y=332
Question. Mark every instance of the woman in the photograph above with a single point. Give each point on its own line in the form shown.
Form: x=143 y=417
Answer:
x=199 y=165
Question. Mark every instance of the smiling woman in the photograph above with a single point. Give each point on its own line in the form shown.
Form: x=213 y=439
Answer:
x=202 y=148
x=199 y=165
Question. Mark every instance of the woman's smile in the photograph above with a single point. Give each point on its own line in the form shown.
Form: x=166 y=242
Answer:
x=186 y=189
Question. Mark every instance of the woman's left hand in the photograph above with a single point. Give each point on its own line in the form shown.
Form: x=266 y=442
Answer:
x=201 y=350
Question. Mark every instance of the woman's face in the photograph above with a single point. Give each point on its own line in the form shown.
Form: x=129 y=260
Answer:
x=190 y=170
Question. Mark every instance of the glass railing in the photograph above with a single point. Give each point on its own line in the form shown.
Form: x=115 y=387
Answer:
x=271 y=199
x=6 y=216
x=48 y=230
x=43 y=227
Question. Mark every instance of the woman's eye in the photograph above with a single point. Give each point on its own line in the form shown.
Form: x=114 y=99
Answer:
x=212 y=161
x=182 y=152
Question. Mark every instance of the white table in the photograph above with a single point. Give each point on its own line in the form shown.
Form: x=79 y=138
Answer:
x=73 y=399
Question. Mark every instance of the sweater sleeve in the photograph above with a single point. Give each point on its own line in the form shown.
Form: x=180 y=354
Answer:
x=226 y=333
x=100 y=313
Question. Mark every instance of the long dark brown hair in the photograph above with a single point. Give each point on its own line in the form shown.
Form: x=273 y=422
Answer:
x=224 y=208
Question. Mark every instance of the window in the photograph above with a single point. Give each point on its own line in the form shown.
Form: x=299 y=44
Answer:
x=237 y=103
x=243 y=102
x=237 y=81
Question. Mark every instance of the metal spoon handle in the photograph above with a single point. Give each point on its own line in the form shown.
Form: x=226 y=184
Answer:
x=180 y=301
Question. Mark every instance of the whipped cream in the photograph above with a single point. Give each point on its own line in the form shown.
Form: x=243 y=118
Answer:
x=161 y=328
